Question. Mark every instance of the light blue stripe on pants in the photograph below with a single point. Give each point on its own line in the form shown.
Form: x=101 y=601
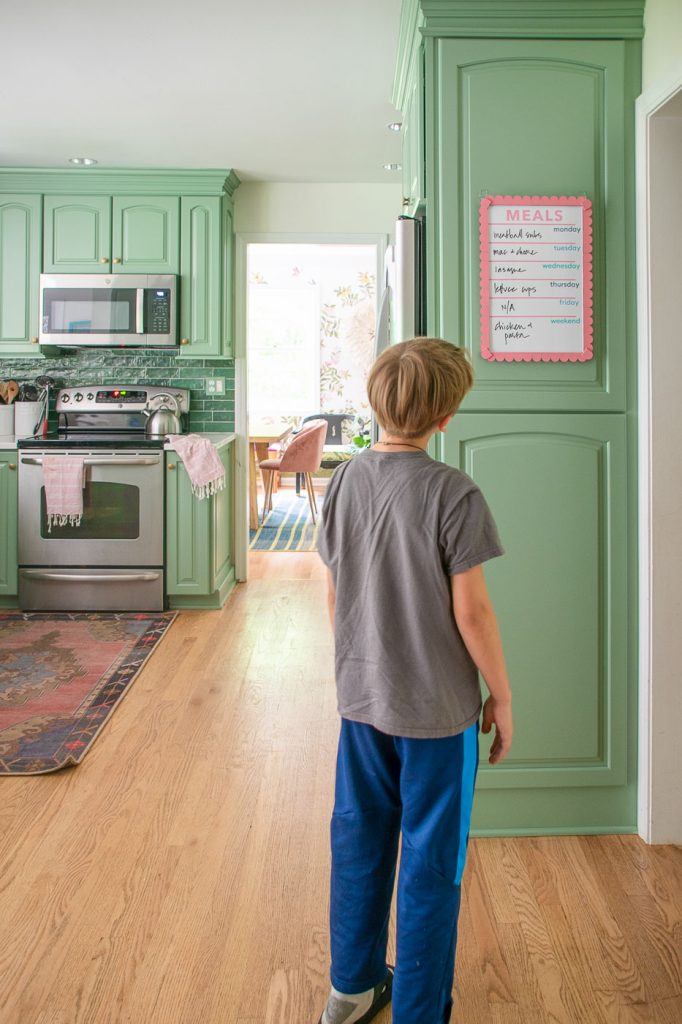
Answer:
x=385 y=784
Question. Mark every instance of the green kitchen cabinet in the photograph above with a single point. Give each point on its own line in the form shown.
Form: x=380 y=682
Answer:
x=201 y=324
x=535 y=117
x=146 y=234
x=558 y=489
x=105 y=234
x=8 y=528
x=413 y=142
x=199 y=538
x=77 y=234
x=20 y=230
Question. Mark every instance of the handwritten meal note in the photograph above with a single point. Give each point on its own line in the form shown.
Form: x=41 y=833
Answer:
x=536 y=278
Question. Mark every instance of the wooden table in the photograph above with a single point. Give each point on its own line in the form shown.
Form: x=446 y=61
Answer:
x=259 y=441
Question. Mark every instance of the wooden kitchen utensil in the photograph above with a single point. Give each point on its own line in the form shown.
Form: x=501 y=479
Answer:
x=12 y=391
x=4 y=391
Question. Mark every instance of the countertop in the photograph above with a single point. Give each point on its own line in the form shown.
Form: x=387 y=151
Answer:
x=8 y=442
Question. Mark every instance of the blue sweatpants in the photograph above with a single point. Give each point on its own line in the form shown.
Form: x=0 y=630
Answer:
x=424 y=787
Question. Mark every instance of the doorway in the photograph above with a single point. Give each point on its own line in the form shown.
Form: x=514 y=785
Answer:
x=659 y=212
x=309 y=322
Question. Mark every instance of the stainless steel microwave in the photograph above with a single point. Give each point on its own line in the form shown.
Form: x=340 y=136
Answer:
x=108 y=310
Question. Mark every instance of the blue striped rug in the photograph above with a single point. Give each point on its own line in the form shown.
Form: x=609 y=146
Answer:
x=288 y=527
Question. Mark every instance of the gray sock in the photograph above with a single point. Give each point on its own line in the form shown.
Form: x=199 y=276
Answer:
x=346 y=1009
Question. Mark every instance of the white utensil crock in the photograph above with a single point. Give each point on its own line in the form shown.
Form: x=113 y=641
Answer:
x=27 y=416
x=6 y=420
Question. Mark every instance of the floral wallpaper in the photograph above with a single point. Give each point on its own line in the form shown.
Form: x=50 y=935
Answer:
x=341 y=280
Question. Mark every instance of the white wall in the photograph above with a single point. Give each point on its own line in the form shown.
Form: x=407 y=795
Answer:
x=662 y=45
x=317 y=208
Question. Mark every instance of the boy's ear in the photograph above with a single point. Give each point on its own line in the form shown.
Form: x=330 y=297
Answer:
x=442 y=426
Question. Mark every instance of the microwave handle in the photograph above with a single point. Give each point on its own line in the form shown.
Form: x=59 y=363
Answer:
x=139 y=310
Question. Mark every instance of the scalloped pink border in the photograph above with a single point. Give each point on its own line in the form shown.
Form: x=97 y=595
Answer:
x=536 y=357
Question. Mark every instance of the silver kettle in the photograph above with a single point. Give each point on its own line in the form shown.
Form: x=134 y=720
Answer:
x=163 y=419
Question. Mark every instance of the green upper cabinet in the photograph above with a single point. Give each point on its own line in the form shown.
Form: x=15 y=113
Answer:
x=146 y=234
x=201 y=269
x=20 y=230
x=101 y=235
x=533 y=117
x=413 y=142
x=77 y=235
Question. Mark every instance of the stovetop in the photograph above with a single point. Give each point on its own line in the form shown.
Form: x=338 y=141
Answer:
x=92 y=439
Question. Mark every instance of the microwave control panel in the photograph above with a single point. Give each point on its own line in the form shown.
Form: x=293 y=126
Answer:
x=157 y=311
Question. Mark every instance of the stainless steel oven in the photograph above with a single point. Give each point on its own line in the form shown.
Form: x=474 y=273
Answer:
x=114 y=558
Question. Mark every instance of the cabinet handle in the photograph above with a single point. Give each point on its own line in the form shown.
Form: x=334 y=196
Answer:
x=104 y=259
x=117 y=259
x=11 y=465
x=184 y=341
x=171 y=465
x=34 y=341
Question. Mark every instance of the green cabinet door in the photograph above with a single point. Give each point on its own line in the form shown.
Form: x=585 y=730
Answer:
x=8 y=527
x=557 y=487
x=20 y=217
x=534 y=117
x=77 y=235
x=413 y=142
x=146 y=234
x=199 y=538
x=201 y=283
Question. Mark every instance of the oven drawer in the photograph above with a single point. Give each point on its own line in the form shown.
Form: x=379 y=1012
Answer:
x=102 y=590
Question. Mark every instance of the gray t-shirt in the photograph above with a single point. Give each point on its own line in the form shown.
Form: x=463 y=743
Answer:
x=395 y=526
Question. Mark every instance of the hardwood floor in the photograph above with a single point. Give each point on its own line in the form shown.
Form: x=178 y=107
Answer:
x=180 y=874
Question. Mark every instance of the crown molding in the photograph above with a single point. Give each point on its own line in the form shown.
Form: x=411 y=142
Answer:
x=127 y=181
x=552 y=19
x=409 y=41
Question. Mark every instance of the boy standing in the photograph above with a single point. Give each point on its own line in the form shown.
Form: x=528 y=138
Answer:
x=403 y=538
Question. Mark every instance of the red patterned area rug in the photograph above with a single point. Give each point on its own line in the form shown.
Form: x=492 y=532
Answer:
x=61 y=676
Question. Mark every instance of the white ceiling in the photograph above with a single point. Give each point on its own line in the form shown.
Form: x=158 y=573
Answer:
x=280 y=90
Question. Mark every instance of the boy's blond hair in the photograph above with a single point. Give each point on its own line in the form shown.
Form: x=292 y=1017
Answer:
x=414 y=385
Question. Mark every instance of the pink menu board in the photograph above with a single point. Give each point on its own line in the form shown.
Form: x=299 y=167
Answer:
x=536 y=278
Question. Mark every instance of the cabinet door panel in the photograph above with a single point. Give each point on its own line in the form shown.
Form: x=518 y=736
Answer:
x=557 y=489
x=146 y=234
x=77 y=235
x=187 y=534
x=19 y=273
x=536 y=117
x=200 y=316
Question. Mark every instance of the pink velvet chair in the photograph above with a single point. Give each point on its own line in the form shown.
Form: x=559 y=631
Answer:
x=303 y=455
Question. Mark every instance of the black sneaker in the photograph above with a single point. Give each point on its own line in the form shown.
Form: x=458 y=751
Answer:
x=339 y=1010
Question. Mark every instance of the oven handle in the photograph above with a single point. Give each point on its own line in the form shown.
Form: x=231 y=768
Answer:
x=133 y=577
x=146 y=461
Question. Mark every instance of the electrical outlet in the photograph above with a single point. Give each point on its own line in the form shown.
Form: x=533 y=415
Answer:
x=215 y=385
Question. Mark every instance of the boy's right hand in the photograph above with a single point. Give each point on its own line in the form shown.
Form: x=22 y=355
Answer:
x=499 y=714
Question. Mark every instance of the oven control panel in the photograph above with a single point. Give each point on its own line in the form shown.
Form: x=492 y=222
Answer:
x=92 y=398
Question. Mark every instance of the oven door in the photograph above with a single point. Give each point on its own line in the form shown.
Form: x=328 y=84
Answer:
x=122 y=522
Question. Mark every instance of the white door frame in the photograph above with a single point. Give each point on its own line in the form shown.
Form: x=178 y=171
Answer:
x=659 y=811
x=243 y=239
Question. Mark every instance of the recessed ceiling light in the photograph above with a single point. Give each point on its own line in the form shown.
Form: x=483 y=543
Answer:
x=394 y=126
x=393 y=167
x=82 y=161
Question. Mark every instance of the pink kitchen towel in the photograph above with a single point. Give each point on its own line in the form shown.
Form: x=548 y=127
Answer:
x=202 y=462
x=63 y=476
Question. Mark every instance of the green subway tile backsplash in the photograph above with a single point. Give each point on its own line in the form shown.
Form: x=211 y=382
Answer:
x=88 y=366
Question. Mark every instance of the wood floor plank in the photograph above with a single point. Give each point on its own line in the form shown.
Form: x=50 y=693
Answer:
x=180 y=874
